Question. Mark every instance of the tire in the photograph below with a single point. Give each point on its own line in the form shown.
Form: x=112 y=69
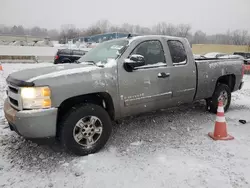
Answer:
x=212 y=103
x=70 y=129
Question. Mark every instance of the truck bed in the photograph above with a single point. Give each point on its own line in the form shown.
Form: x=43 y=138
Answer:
x=209 y=70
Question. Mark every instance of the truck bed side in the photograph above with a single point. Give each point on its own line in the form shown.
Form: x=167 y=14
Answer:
x=210 y=72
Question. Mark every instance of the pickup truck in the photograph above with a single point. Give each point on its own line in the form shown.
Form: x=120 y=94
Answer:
x=77 y=103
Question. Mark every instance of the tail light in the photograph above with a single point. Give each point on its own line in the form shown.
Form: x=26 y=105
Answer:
x=56 y=57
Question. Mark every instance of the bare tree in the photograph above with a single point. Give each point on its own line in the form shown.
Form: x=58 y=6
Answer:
x=53 y=34
x=103 y=25
x=17 y=30
x=160 y=28
x=171 y=30
x=239 y=37
x=128 y=28
x=68 y=32
x=183 y=30
x=93 y=31
x=199 y=38
x=146 y=30
x=163 y=28
x=38 y=32
x=236 y=37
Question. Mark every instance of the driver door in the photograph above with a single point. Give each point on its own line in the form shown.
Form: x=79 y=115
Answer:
x=147 y=87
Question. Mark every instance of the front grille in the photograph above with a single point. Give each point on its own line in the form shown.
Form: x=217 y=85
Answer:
x=13 y=101
x=14 y=97
x=12 y=89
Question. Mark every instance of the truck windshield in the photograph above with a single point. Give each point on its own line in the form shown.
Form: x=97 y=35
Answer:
x=104 y=51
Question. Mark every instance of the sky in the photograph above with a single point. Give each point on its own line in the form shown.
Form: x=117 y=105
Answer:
x=210 y=16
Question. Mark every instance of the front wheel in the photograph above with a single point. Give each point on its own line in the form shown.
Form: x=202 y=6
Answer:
x=86 y=129
x=222 y=92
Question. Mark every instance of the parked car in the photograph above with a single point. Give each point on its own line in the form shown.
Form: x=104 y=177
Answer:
x=68 y=56
x=246 y=55
x=118 y=78
x=247 y=61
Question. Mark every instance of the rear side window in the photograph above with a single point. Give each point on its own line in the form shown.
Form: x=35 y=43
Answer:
x=177 y=51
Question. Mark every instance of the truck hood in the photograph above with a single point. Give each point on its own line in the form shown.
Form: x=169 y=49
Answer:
x=28 y=76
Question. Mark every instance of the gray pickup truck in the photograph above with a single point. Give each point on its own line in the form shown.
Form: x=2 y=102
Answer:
x=76 y=103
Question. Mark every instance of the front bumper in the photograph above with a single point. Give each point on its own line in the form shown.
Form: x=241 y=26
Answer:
x=32 y=123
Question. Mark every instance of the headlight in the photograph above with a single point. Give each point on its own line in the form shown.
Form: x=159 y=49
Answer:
x=36 y=97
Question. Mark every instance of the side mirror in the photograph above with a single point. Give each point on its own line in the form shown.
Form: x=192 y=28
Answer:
x=134 y=61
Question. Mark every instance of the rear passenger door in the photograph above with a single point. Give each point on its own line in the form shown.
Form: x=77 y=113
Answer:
x=183 y=71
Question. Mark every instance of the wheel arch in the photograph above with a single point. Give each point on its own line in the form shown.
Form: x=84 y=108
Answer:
x=102 y=99
x=228 y=80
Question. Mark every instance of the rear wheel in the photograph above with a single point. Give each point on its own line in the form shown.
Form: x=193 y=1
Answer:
x=86 y=129
x=222 y=92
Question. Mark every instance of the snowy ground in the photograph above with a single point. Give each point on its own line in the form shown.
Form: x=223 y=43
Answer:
x=169 y=148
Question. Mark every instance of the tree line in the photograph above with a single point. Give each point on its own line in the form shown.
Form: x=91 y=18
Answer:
x=69 y=31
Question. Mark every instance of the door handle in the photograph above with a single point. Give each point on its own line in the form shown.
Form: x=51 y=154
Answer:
x=163 y=75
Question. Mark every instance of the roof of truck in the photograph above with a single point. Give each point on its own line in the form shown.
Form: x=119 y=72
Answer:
x=154 y=36
x=160 y=36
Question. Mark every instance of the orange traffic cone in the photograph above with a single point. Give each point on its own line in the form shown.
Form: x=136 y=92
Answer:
x=220 y=129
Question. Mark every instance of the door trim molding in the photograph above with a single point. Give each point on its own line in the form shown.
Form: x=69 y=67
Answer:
x=145 y=99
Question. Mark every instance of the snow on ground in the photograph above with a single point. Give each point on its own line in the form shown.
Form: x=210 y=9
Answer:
x=169 y=148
